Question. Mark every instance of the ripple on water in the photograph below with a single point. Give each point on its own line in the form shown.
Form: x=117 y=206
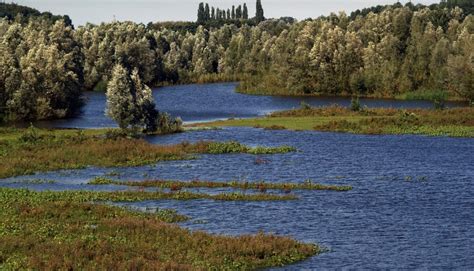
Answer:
x=411 y=206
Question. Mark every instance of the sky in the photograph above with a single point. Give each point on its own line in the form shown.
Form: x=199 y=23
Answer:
x=144 y=11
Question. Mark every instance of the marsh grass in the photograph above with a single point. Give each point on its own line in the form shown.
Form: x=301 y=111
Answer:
x=455 y=122
x=26 y=151
x=52 y=231
x=236 y=147
x=307 y=185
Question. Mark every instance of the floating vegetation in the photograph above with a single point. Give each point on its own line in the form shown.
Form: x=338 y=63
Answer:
x=135 y=196
x=236 y=147
x=65 y=231
x=261 y=186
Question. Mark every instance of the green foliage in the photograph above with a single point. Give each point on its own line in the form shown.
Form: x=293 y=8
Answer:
x=355 y=104
x=14 y=11
x=30 y=135
x=307 y=185
x=129 y=102
x=259 y=14
x=34 y=87
x=100 y=181
x=169 y=125
x=236 y=147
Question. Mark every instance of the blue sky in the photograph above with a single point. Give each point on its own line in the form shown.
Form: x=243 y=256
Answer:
x=96 y=11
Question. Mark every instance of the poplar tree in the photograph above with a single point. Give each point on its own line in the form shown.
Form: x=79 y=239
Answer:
x=207 y=13
x=259 y=15
x=233 y=13
x=245 y=12
x=238 y=12
x=201 y=17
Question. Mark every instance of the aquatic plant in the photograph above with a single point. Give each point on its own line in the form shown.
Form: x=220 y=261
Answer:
x=100 y=181
x=236 y=147
x=306 y=185
x=63 y=230
x=43 y=150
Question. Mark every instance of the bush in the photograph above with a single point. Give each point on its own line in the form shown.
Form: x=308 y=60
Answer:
x=168 y=125
x=30 y=135
x=355 y=104
x=305 y=105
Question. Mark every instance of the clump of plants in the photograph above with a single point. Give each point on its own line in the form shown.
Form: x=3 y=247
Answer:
x=100 y=181
x=30 y=135
x=166 y=124
x=355 y=104
x=236 y=147
x=178 y=185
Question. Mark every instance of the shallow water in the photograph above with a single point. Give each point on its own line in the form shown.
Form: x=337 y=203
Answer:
x=198 y=103
x=411 y=206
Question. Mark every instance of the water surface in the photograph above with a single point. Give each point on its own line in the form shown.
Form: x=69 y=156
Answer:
x=411 y=206
x=198 y=103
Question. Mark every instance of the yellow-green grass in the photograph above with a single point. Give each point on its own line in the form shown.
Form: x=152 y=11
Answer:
x=57 y=231
x=456 y=122
x=287 y=187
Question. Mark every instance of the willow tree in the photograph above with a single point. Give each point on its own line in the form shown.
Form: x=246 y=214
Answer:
x=129 y=101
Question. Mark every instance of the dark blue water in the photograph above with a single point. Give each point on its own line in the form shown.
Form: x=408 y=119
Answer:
x=411 y=206
x=197 y=103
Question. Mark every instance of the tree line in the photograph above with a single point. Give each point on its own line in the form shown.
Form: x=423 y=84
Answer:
x=44 y=64
x=206 y=14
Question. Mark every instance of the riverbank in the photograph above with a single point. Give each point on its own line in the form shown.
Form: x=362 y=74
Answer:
x=419 y=95
x=52 y=230
x=456 y=122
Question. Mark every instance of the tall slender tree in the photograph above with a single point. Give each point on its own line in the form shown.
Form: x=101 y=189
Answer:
x=233 y=12
x=207 y=13
x=245 y=12
x=201 y=16
x=259 y=15
x=238 y=12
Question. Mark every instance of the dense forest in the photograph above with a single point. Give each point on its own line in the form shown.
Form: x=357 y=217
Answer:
x=385 y=51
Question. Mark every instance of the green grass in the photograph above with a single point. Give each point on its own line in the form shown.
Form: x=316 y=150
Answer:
x=287 y=187
x=65 y=231
x=26 y=151
x=457 y=122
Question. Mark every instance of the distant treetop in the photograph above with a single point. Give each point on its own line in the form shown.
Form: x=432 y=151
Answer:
x=212 y=15
x=11 y=11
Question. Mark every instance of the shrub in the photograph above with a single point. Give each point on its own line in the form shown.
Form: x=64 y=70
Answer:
x=30 y=135
x=305 y=105
x=168 y=125
x=355 y=104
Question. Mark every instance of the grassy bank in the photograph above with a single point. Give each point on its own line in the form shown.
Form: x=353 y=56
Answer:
x=456 y=122
x=49 y=231
x=262 y=186
x=26 y=151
